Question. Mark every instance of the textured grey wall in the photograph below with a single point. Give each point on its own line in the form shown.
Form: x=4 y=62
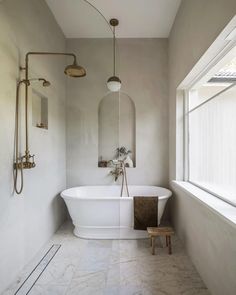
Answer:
x=209 y=239
x=28 y=221
x=143 y=70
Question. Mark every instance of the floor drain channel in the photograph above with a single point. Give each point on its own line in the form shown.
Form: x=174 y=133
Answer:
x=35 y=274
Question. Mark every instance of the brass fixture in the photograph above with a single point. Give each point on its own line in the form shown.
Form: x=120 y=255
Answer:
x=114 y=22
x=124 y=179
x=45 y=82
x=75 y=70
x=114 y=79
x=114 y=82
x=27 y=160
x=120 y=170
x=117 y=171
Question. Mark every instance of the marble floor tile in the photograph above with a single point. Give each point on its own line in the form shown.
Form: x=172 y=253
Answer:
x=26 y=278
x=174 y=287
x=48 y=290
x=113 y=267
x=123 y=274
x=58 y=273
x=123 y=290
x=94 y=259
x=88 y=283
x=124 y=250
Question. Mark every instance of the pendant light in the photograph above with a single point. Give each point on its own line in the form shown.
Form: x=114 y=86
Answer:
x=114 y=82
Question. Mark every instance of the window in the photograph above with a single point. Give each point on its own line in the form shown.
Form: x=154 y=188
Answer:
x=211 y=131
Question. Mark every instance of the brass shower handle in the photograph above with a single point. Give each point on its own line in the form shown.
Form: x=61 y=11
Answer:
x=33 y=163
x=29 y=161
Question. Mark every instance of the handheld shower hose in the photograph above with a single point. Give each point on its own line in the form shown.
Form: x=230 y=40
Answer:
x=17 y=159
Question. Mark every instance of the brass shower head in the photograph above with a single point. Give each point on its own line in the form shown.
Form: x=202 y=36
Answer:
x=75 y=70
x=45 y=82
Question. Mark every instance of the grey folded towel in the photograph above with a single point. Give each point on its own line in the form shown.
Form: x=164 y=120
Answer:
x=145 y=212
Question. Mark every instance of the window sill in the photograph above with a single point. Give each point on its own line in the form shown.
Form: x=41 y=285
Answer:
x=218 y=206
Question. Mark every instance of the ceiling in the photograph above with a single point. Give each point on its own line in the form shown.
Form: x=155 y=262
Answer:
x=138 y=18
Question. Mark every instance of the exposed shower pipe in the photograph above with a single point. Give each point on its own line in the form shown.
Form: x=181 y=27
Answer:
x=74 y=68
x=27 y=160
x=18 y=160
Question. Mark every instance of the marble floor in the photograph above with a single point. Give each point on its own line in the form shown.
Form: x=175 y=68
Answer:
x=112 y=267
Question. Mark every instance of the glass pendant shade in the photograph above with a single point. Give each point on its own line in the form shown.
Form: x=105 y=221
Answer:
x=114 y=84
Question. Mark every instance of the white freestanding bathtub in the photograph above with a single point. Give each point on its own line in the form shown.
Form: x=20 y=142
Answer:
x=98 y=212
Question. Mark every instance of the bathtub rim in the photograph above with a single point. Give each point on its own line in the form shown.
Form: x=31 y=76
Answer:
x=69 y=197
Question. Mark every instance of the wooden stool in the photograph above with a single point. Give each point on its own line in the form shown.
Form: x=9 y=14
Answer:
x=154 y=232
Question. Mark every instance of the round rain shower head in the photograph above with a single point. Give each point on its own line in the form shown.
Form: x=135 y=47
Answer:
x=75 y=71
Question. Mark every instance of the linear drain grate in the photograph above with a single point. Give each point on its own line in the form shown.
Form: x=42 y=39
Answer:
x=35 y=274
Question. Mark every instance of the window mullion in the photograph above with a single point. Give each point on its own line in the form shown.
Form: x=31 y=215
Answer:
x=186 y=136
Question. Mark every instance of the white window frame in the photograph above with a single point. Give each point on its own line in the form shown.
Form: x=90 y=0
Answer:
x=186 y=140
x=207 y=66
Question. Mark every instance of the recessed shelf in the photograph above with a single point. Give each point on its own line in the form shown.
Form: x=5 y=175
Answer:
x=39 y=110
x=116 y=123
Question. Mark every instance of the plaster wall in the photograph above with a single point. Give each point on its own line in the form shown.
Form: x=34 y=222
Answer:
x=209 y=239
x=142 y=67
x=27 y=221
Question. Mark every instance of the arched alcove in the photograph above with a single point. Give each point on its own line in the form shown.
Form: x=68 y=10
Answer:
x=116 y=124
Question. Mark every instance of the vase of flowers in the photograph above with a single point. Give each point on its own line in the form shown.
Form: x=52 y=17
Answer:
x=124 y=154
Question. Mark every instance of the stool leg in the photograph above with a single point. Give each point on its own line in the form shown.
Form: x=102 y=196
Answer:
x=153 y=245
x=166 y=241
x=169 y=244
x=151 y=241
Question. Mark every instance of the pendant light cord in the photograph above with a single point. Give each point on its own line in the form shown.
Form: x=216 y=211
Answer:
x=113 y=30
x=100 y=14
x=114 y=50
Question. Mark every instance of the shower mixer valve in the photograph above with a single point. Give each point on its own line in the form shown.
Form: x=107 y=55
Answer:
x=25 y=162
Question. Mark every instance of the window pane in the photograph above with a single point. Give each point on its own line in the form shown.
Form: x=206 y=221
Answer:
x=221 y=80
x=212 y=145
x=205 y=92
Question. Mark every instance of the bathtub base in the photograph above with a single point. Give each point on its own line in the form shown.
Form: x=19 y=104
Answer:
x=112 y=233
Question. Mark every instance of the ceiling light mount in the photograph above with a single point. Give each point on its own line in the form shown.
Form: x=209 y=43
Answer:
x=114 y=22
